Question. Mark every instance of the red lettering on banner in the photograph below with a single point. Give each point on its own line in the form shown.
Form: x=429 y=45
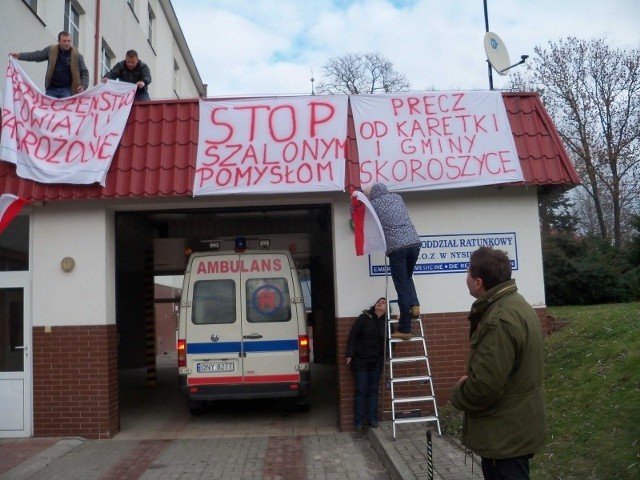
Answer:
x=304 y=173
x=435 y=138
x=270 y=143
x=316 y=119
x=45 y=122
x=280 y=121
x=434 y=169
x=428 y=104
x=235 y=165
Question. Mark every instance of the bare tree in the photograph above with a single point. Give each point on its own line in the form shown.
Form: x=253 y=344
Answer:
x=361 y=73
x=593 y=94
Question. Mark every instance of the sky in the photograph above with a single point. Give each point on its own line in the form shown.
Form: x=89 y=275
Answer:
x=275 y=47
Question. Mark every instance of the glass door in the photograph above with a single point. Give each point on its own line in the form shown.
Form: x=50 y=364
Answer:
x=15 y=363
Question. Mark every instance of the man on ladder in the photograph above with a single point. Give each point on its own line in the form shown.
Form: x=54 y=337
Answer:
x=387 y=228
x=403 y=247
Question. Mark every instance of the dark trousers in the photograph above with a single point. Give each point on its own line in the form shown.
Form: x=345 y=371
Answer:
x=58 y=92
x=401 y=264
x=506 y=469
x=142 y=97
x=366 y=399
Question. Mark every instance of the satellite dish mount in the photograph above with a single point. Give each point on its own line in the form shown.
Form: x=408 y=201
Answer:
x=498 y=56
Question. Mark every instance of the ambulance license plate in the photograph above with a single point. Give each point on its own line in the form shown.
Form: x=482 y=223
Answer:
x=213 y=367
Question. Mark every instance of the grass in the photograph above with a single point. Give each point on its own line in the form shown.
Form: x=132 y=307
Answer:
x=592 y=382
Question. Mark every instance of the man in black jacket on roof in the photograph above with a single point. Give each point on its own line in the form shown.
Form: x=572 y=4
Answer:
x=132 y=70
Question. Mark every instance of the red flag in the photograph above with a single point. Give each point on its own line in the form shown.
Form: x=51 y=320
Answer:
x=369 y=235
x=10 y=205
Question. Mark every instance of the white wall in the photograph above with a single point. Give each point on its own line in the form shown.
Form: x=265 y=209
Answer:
x=86 y=295
x=84 y=231
x=457 y=211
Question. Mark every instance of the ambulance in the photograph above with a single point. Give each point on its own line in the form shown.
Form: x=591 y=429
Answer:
x=242 y=330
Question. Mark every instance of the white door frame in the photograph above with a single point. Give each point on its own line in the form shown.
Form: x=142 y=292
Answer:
x=15 y=382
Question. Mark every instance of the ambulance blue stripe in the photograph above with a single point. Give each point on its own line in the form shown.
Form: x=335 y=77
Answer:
x=210 y=347
x=251 y=346
x=271 y=346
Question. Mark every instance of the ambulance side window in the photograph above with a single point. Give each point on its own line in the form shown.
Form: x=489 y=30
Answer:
x=214 y=301
x=268 y=300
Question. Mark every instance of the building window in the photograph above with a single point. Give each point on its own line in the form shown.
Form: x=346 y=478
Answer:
x=106 y=59
x=72 y=22
x=14 y=246
x=176 y=72
x=152 y=19
x=32 y=4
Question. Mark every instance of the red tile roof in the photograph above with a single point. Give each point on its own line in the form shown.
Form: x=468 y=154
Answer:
x=157 y=154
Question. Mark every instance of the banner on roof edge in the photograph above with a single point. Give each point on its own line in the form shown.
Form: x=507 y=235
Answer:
x=68 y=140
x=271 y=145
x=434 y=140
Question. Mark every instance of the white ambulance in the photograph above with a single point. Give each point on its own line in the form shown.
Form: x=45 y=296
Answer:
x=242 y=331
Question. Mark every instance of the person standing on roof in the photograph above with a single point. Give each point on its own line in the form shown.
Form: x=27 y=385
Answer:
x=66 y=74
x=132 y=70
x=403 y=248
x=502 y=393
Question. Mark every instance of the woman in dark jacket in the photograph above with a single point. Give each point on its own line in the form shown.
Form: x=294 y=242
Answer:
x=365 y=353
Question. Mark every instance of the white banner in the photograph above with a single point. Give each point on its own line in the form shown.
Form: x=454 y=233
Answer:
x=434 y=140
x=368 y=232
x=69 y=140
x=277 y=145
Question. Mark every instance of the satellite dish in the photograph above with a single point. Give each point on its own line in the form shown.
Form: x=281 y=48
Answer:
x=497 y=53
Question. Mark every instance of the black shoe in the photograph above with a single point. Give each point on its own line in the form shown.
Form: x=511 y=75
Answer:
x=374 y=424
x=359 y=428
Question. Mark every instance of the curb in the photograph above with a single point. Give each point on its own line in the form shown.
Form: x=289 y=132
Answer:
x=42 y=460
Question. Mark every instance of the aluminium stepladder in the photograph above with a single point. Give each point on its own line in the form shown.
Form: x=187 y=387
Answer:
x=410 y=374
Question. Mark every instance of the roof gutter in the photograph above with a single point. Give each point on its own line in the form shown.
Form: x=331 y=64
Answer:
x=96 y=46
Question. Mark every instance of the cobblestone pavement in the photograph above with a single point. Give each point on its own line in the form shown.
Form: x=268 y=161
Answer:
x=329 y=456
x=159 y=440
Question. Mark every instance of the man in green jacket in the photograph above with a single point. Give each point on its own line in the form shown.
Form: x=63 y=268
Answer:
x=502 y=394
x=67 y=74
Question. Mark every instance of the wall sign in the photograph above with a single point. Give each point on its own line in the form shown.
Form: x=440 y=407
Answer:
x=450 y=253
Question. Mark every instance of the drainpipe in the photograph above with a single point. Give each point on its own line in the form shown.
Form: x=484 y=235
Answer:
x=96 y=51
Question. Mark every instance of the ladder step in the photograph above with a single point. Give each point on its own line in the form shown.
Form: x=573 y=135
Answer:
x=395 y=320
x=408 y=359
x=428 y=398
x=414 y=338
x=417 y=378
x=423 y=383
x=416 y=419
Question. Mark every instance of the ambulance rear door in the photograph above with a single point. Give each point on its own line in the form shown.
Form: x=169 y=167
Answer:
x=270 y=323
x=213 y=333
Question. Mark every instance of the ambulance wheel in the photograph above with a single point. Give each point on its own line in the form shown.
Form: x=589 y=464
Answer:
x=197 y=407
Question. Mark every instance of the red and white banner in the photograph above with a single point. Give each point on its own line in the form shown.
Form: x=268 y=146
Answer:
x=277 y=145
x=434 y=140
x=68 y=140
x=369 y=235
x=10 y=206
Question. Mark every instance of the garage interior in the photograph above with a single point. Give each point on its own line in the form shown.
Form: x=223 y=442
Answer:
x=151 y=253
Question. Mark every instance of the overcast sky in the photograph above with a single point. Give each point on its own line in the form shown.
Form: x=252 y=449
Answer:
x=264 y=47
